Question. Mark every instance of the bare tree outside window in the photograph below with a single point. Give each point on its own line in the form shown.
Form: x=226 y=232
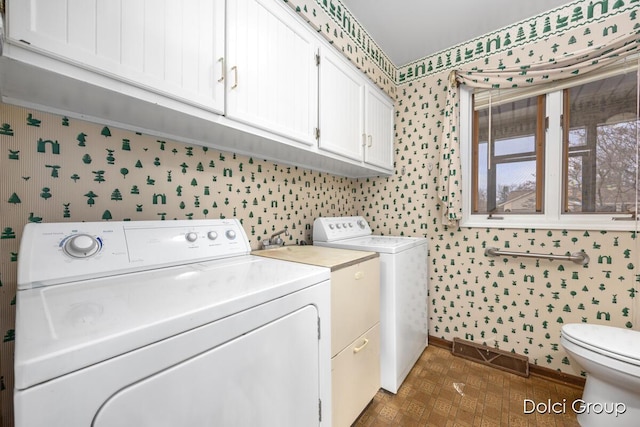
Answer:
x=600 y=146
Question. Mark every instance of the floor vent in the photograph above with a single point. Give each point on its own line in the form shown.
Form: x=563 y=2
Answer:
x=510 y=362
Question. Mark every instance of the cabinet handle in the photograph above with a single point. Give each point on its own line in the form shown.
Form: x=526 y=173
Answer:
x=370 y=138
x=359 y=275
x=235 y=76
x=364 y=344
x=221 y=61
x=364 y=139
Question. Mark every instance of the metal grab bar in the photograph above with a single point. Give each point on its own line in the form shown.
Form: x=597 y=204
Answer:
x=577 y=257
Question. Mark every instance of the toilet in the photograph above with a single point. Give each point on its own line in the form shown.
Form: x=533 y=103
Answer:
x=611 y=358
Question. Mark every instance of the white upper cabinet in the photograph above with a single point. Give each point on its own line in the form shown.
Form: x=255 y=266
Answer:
x=272 y=76
x=356 y=118
x=378 y=128
x=174 y=48
x=236 y=75
x=341 y=106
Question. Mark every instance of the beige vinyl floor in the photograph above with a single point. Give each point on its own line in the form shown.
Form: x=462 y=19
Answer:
x=443 y=390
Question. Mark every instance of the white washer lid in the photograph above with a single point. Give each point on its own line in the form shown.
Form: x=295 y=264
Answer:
x=380 y=244
x=63 y=328
x=619 y=343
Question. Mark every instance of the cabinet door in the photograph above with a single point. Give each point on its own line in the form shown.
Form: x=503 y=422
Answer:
x=341 y=106
x=170 y=47
x=378 y=128
x=272 y=76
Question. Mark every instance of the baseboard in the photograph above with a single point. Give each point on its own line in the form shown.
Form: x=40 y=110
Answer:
x=557 y=376
x=536 y=370
x=440 y=342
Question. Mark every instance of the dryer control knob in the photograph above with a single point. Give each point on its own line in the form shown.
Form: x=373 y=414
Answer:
x=81 y=246
x=212 y=235
x=361 y=223
x=191 y=236
x=231 y=235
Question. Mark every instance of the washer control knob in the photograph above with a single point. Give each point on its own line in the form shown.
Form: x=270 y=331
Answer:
x=350 y=225
x=231 y=235
x=191 y=236
x=331 y=226
x=212 y=235
x=338 y=226
x=361 y=223
x=81 y=246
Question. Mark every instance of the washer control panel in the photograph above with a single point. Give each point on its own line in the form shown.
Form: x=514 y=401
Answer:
x=328 y=229
x=54 y=253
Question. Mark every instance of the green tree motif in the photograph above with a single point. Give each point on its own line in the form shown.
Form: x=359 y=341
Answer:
x=116 y=195
x=14 y=199
x=5 y=129
x=46 y=193
x=82 y=139
x=10 y=335
x=111 y=160
x=91 y=198
x=99 y=176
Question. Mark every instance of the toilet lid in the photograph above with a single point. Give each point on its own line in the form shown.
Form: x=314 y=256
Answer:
x=619 y=343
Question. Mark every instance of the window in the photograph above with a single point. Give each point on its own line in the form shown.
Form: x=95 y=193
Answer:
x=560 y=157
x=508 y=153
x=600 y=146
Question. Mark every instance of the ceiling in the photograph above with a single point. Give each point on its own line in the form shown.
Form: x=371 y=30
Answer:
x=407 y=30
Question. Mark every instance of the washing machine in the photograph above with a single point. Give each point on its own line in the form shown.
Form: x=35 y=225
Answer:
x=167 y=323
x=403 y=290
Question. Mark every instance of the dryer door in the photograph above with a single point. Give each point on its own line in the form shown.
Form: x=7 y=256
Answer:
x=267 y=377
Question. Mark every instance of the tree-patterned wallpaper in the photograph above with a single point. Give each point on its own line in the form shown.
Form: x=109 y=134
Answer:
x=56 y=168
x=515 y=304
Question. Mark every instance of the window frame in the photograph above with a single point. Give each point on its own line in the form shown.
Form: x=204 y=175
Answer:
x=553 y=216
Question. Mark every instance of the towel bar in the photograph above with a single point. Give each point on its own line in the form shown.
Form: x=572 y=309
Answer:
x=577 y=257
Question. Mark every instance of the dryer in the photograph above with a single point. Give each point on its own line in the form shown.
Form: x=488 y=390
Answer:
x=404 y=273
x=167 y=323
